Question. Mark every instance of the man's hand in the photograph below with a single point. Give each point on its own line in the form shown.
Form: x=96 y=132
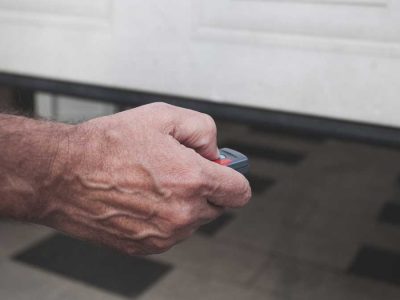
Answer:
x=139 y=181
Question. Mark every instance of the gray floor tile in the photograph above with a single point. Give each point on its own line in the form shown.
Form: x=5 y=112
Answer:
x=215 y=259
x=15 y=236
x=294 y=279
x=343 y=178
x=19 y=282
x=182 y=285
x=291 y=278
x=321 y=250
x=295 y=232
x=385 y=236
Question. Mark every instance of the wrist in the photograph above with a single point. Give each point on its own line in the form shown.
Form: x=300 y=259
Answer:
x=28 y=163
x=49 y=182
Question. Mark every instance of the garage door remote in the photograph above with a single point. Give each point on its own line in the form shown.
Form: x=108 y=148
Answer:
x=234 y=160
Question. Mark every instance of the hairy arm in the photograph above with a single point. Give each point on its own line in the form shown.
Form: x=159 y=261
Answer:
x=139 y=181
x=28 y=149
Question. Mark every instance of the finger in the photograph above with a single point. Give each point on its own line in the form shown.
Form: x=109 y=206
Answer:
x=209 y=213
x=227 y=187
x=195 y=130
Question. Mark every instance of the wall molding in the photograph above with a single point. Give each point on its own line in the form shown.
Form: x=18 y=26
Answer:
x=262 y=22
x=82 y=14
x=374 y=3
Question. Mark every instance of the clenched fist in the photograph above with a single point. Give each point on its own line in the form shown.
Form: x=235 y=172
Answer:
x=139 y=181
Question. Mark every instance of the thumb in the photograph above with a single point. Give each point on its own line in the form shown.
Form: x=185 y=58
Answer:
x=197 y=131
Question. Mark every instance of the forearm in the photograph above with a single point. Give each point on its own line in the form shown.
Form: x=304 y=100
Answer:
x=143 y=182
x=28 y=150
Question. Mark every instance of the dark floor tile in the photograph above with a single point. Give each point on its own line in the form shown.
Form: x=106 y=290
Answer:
x=259 y=184
x=264 y=152
x=376 y=263
x=213 y=227
x=390 y=214
x=93 y=265
x=308 y=137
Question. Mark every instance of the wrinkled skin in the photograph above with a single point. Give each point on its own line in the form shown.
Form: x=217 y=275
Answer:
x=139 y=181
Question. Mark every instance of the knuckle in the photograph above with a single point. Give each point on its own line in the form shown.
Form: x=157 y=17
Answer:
x=160 y=105
x=206 y=140
x=183 y=217
x=196 y=180
x=160 y=246
x=112 y=136
x=211 y=125
x=131 y=251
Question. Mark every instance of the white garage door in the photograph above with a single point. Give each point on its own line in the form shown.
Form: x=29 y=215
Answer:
x=335 y=58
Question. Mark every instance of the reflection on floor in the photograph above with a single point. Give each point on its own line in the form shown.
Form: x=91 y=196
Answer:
x=323 y=224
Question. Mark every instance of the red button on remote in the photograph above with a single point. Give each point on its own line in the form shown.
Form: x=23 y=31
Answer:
x=233 y=159
x=223 y=162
